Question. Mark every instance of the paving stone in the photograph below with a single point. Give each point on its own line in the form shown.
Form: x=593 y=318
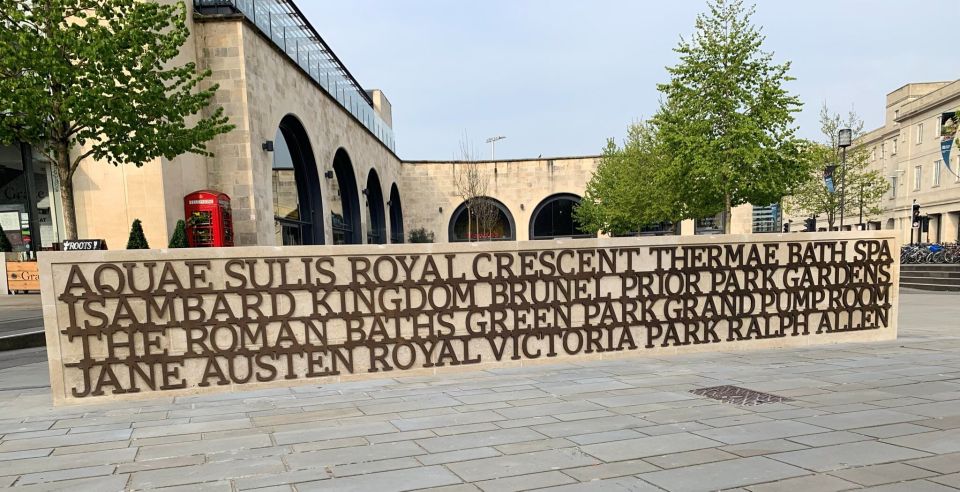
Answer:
x=648 y=446
x=538 y=445
x=208 y=472
x=321 y=433
x=603 y=424
x=829 y=438
x=548 y=409
x=390 y=481
x=847 y=455
x=882 y=474
x=610 y=470
x=893 y=430
x=912 y=486
x=641 y=399
x=939 y=442
x=659 y=430
x=374 y=466
x=66 y=440
x=454 y=456
x=689 y=458
x=952 y=480
x=30 y=453
x=446 y=420
x=723 y=474
x=400 y=436
x=110 y=483
x=56 y=475
x=160 y=463
x=345 y=442
x=357 y=454
x=520 y=464
x=478 y=439
x=203 y=446
x=464 y=429
x=740 y=419
x=52 y=463
x=283 y=479
x=615 y=435
x=624 y=484
x=763 y=447
x=818 y=483
x=869 y=418
x=200 y=427
x=944 y=463
x=761 y=431
x=525 y=482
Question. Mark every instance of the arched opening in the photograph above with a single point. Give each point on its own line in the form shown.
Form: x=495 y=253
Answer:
x=553 y=218
x=376 y=221
x=487 y=220
x=297 y=207
x=344 y=202
x=396 y=216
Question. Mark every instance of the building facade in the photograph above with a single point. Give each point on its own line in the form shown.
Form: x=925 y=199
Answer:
x=906 y=149
x=312 y=160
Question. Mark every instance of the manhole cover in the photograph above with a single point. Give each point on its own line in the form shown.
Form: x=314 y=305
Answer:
x=738 y=396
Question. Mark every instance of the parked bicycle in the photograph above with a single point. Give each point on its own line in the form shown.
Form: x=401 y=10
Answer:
x=930 y=253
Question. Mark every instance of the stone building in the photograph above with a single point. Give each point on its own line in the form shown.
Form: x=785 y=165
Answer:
x=906 y=149
x=312 y=159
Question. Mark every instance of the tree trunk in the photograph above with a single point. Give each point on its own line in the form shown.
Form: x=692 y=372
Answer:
x=66 y=191
x=727 y=214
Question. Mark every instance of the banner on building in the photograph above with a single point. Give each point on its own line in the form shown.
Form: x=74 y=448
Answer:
x=828 y=178
x=949 y=123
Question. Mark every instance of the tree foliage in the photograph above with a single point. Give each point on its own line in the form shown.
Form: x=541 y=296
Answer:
x=421 y=235
x=864 y=187
x=179 y=238
x=94 y=79
x=629 y=189
x=137 y=240
x=726 y=121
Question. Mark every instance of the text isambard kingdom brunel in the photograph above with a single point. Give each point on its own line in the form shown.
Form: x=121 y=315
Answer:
x=141 y=323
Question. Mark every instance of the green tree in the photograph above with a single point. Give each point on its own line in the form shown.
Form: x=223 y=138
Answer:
x=179 y=238
x=627 y=191
x=865 y=187
x=726 y=120
x=5 y=246
x=137 y=240
x=92 y=79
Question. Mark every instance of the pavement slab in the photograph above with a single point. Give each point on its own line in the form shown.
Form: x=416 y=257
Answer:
x=880 y=415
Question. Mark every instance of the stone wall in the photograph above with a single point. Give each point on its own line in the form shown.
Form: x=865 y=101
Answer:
x=127 y=324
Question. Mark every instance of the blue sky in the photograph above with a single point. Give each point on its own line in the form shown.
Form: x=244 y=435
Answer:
x=559 y=77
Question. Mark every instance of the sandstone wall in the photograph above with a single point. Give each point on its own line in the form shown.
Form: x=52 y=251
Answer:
x=128 y=324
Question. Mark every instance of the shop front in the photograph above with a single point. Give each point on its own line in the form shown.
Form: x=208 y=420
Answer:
x=30 y=206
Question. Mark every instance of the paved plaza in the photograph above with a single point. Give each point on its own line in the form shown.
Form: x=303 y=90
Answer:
x=883 y=416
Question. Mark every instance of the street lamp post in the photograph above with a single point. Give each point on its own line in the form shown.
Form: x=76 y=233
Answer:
x=493 y=146
x=844 y=139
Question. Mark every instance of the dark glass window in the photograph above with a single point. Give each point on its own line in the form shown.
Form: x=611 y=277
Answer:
x=554 y=218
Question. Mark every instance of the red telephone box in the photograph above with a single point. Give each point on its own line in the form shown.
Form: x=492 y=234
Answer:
x=209 y=219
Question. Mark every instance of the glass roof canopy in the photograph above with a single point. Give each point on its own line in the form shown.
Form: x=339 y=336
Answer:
x=283 y=23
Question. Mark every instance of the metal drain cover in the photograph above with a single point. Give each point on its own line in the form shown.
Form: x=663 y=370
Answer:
x=738 y=396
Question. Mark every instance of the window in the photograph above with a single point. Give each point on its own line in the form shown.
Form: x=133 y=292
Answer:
x=896 y=113
x=883 y=147
x=893 y=187
x=919 y=133
x=873 y=154
x=894 y=143
x=917 y=176
x=936 y=172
